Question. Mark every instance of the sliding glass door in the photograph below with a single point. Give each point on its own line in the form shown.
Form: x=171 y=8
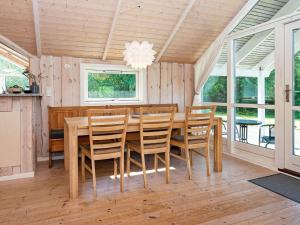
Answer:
x=292 y=96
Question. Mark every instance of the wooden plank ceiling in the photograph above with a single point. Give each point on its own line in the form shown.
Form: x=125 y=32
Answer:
x=80 y=28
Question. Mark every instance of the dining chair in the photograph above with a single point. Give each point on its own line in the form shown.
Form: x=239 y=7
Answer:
x=198 y=124
x=107 y=135
x=155 y=133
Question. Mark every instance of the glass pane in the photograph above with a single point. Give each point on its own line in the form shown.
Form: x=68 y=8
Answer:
x=222 y=112
x=20 y=81
x=297 y=133
x=255 y=126
x=246 y=125
x=270 y=88
x=267 y=130
x=254 y=69
x=11 y=75
x=296 y=68
x=246 y=90
x=103 y=85
x=215 y=89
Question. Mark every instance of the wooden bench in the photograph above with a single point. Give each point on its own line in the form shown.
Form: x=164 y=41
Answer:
x=56 y=116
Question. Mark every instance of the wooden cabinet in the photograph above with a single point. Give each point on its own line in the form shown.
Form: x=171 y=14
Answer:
x=17 y=135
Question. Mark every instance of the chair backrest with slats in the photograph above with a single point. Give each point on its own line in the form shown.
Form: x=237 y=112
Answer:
x=198 y=123
x=107 y=128
x=156 y=127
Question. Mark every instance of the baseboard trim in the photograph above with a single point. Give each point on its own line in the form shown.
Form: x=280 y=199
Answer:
x=250 y=161
x=17 y=176
x=46 y=158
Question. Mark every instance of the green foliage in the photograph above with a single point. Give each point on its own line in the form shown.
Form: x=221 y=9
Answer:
x=221 y=110
x=246 y=112
x=21 y=81
x=270 y=88
x=246 y=90
x=297 y=83
x=13 y=74
x=297 y=79
x=215 y=89
x=102 y=85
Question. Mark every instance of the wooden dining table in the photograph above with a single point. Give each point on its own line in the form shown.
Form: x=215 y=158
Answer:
x=78 y=126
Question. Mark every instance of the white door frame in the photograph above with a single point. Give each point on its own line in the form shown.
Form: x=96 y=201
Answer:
x=279 y=26
x=292 y=162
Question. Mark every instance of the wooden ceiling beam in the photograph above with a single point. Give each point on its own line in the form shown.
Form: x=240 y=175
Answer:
x=175 y=29
x=36 y=20
x=112 y=28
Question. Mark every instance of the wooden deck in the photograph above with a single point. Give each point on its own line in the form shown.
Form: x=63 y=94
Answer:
x=222 y=198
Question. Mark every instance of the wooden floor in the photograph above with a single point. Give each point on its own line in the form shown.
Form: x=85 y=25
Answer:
x=222 y=198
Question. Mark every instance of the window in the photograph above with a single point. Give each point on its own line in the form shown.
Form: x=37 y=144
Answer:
x=11 y=75
x=109 y=83
x=254 y=92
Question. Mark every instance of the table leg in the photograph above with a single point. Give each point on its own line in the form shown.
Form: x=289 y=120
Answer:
x=73 y=161
x=244 y=133
x=218 y=146
x=66 y=147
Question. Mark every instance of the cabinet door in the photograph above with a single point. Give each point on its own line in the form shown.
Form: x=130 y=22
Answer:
x=10 y=153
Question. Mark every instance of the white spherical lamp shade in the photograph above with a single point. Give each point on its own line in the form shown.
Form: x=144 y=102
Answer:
x=139 y=55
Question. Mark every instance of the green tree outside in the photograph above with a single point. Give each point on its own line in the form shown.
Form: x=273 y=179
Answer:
x=102 y=85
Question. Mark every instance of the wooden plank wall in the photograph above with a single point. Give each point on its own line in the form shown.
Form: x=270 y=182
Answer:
x=60 y=86
x=23 y=135
x=171 y=83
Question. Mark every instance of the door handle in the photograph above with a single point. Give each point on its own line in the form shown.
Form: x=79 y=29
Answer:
x=287 y=93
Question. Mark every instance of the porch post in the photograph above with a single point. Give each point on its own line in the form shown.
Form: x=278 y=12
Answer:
x=261 y=98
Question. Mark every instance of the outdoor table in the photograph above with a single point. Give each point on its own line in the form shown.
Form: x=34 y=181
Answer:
x=244 y=123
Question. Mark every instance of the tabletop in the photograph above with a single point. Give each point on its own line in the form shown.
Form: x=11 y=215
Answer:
x=82 y=122
x=247 y=122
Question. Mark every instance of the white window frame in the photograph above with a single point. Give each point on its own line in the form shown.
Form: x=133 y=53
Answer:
x=85 y=68
x=272 y=159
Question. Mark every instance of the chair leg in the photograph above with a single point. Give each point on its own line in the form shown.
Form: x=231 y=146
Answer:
x=122 y=172
x=128 y=163
x=167 y=160
x=115 y=168
x=94 y=176
x=50 y=159
x=207 y=161
x=83 y=166
x=188 y=163
x=155 y=162
x=191 y=157
x=144 y=170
